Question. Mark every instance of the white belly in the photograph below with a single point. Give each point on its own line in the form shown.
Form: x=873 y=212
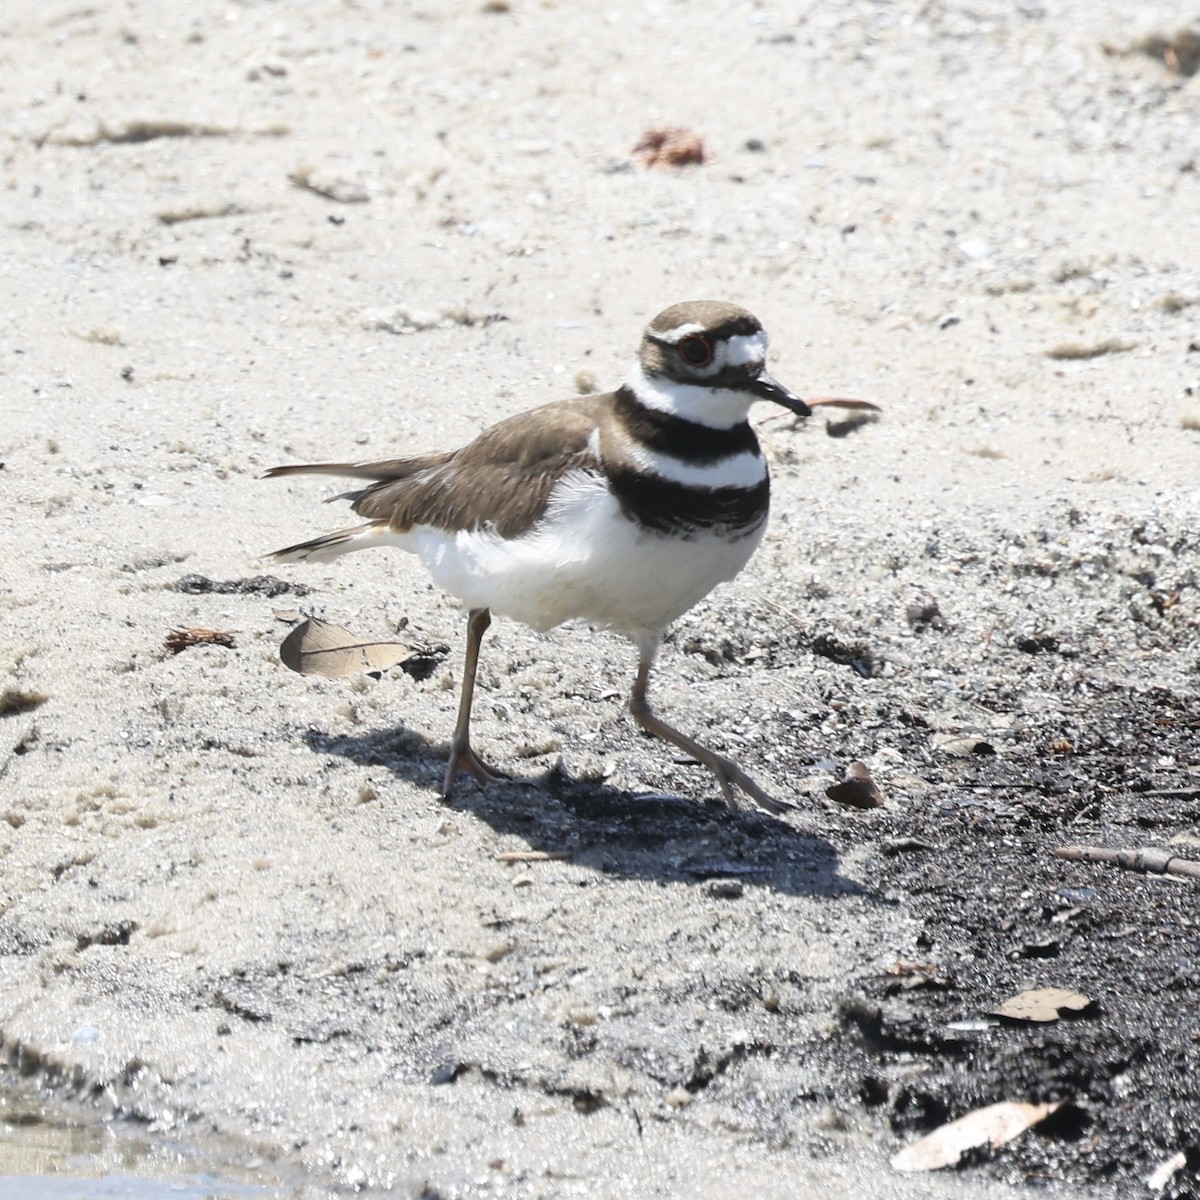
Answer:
x=586 y=561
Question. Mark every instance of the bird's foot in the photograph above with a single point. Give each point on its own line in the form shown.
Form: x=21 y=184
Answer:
x=731 y=777
x=463 y=758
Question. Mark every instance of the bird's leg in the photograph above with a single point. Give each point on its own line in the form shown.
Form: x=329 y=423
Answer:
x=728 y=773
x=462 y=757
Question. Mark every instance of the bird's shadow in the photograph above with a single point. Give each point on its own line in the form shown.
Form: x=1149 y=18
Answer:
x=659 y=837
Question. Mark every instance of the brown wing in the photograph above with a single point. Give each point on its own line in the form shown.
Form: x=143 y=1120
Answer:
x=502 y=479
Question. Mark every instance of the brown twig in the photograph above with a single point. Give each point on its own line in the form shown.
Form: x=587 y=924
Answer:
x=181 y=639
x=1169 y=793
x=1146 y=860
x=779 y=608
x=532 y=856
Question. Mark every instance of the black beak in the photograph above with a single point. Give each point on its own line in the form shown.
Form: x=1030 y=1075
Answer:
x=766 y=388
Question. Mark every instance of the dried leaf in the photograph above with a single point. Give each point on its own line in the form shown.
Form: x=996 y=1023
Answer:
x=670 y=146
x=17 y=700
x=181 y=639
x=319 y=648
x=962 y=747
x=1162 y=1174
x=342 y=189
x=991 y=1126
x=1042 y=1004
x=1066 y=351
x=903 y=968
x=913 y=975
x=1178 y=52
x=857 y=790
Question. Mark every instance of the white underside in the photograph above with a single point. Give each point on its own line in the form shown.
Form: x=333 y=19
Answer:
x=585 y=561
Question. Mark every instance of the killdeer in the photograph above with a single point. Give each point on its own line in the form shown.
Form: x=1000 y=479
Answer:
x=621 y=510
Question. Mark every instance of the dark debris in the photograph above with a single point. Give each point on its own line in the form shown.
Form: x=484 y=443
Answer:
x=999 y=913
x=256 y=585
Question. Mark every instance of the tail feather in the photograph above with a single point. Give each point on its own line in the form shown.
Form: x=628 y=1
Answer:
x=381 y=473
x=332 y=545
x=378 y=471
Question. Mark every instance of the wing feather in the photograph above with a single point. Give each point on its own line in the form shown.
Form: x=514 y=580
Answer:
x=503 y=479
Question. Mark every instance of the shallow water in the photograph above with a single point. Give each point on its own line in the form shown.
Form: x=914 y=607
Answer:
x=51 y=1152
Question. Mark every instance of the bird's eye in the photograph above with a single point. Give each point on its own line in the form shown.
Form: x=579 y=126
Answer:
x=695 y=350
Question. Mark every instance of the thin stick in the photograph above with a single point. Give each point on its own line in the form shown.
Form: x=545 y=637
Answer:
x=1147 y=860
x=530 y=856
x=779 y=608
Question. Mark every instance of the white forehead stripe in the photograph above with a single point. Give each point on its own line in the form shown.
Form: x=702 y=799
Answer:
x=674 y=336
x=744 y=348
x=740 y=350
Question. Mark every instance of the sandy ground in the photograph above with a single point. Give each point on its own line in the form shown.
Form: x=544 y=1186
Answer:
x=242 y=233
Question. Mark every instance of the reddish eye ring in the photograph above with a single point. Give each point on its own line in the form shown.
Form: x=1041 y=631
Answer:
x=695 y=350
